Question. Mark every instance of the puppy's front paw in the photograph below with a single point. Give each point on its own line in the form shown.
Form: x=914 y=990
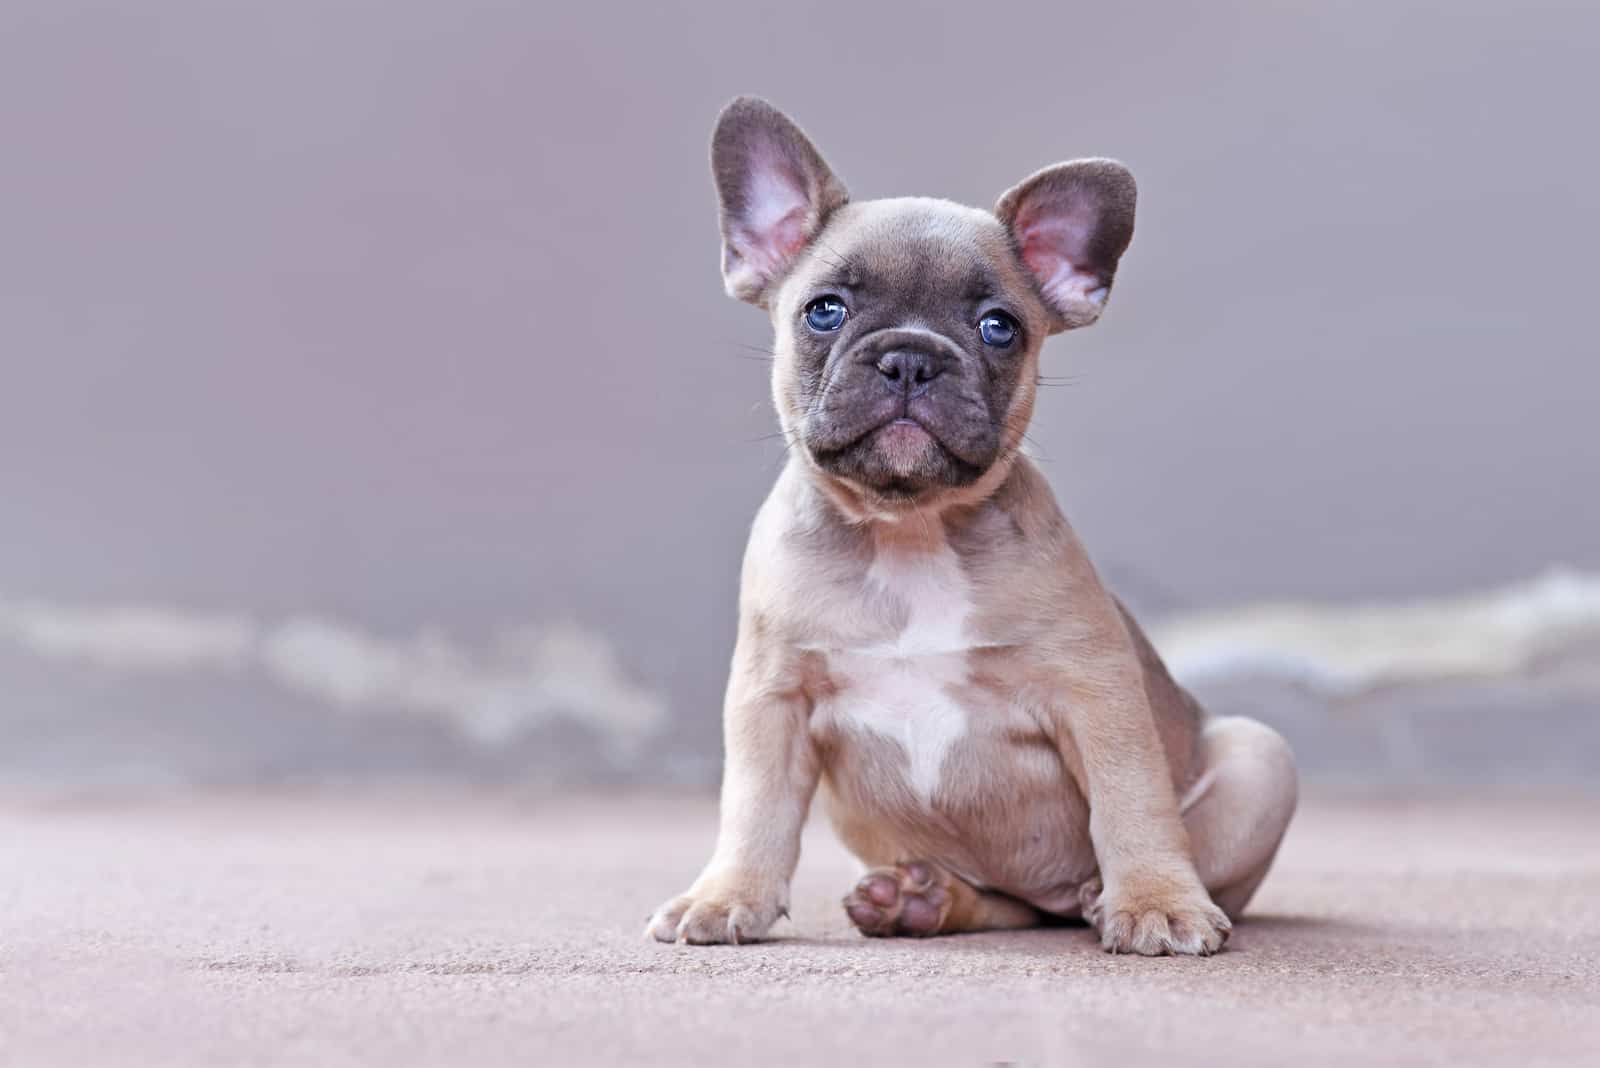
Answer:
x=1157 y=920
x=714 y=916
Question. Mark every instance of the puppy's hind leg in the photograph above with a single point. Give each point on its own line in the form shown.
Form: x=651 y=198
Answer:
x=1239 y=807
x=919 y=898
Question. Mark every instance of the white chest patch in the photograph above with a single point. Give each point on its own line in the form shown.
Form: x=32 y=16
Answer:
x=937 y=597
x=900 y=689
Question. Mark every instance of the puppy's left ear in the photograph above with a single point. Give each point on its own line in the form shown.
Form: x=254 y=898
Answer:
x=775 y=193
x=1071 y=223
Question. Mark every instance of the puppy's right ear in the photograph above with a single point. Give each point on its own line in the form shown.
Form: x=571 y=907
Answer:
x=775 y=193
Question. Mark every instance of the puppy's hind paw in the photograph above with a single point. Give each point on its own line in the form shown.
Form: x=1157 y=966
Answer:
x=911 y=900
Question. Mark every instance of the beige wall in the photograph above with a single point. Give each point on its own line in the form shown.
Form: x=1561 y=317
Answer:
x=407 y=316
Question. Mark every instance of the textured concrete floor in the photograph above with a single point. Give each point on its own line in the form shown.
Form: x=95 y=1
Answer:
x=454 y=930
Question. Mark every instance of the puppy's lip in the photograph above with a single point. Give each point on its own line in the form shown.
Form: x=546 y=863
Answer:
x=903 y=432
x=904 y=421
x=898 y=425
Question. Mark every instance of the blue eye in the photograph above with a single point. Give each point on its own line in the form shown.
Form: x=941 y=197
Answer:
x=825 y=314
x=997 y=329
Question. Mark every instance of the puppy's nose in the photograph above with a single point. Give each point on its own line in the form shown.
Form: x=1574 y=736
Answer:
x=909 y=370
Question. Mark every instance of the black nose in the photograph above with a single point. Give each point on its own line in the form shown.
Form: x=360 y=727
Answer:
x=909 y=370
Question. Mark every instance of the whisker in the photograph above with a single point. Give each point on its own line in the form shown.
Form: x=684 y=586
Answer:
x=753 y=352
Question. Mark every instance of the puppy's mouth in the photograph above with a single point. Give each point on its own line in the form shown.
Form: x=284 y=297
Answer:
x=901 y=457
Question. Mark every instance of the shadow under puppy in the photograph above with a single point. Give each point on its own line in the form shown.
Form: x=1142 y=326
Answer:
x=921 y=634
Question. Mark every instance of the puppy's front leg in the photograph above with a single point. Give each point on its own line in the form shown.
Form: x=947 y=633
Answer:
x=769 y=776
x=1151 y=900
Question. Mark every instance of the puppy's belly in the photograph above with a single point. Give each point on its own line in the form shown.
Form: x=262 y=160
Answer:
x=920 y=763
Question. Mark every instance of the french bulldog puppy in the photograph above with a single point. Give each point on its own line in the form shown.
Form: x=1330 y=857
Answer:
x=921 y=634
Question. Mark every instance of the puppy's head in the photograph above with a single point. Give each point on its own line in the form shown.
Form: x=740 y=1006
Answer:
x=908 y=330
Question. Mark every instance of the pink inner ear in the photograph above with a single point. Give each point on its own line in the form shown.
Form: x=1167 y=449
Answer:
x=774 y=225
x=1052 y=247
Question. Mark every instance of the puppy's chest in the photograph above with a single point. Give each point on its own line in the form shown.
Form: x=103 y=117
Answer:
x=905 y=701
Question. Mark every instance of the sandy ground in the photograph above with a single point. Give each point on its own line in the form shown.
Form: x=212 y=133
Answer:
x=452 y=930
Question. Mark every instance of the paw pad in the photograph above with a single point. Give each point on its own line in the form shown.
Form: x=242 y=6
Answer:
x=909 y=900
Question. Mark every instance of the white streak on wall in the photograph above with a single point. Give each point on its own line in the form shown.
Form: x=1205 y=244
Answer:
x=130 y=637
x=1349 y=649
x=523 y=678
x=528 y=677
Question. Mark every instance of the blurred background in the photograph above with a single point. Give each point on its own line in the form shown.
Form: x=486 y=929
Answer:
x=372 y=409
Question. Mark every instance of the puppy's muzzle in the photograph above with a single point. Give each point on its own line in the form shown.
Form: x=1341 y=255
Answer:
x=908 y=359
